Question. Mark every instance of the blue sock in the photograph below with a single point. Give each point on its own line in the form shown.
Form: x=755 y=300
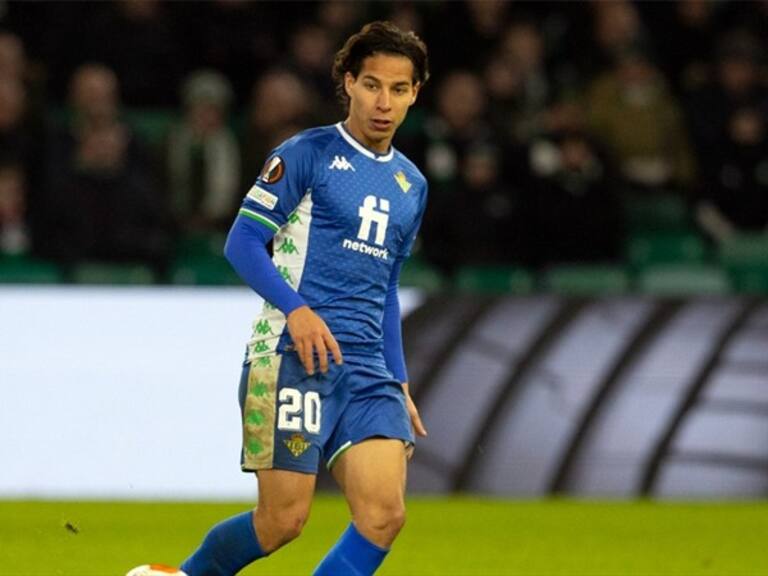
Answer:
x=228 y=548
x=352 y=555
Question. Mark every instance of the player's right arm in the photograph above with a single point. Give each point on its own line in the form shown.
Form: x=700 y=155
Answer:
x=267 y=207
x=246 y=250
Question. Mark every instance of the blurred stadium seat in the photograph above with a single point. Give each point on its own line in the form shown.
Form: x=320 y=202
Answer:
x=649 y=249
x=418 y=274
x=745 y=258
x=585 y=280
x=494 y=280
x=656 y=213
x=112 y=274
x=204 y=271
x=683 y=280
x=202 y=245
x=200 y=261
x=25 y=270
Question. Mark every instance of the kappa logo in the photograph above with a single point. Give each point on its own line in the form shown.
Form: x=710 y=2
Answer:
x=341 y=163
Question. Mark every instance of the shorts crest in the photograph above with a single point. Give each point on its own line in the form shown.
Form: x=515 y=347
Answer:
x=297 y=444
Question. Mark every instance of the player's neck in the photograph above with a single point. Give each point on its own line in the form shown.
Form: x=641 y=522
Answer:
x=379 y=148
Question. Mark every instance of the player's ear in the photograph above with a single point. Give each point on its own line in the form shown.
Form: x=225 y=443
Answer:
x=416 y=88
x=348 y=81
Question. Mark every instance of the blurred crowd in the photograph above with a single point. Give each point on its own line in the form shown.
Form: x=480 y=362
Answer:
x=542 y=123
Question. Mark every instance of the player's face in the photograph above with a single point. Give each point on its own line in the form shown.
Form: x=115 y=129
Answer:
x=379 y=99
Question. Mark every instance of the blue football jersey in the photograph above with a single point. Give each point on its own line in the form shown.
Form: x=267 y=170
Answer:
x=342 y=215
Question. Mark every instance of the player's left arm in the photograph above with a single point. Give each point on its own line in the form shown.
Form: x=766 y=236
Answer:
x=393 y=345
x=392 y=325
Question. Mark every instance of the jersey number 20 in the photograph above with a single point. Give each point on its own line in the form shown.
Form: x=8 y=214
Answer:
x=295 y=407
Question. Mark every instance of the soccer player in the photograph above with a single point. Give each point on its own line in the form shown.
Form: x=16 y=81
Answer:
x=324 y=377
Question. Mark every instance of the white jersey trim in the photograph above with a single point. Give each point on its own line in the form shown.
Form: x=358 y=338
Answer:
x=362 y=149
x=341 y=449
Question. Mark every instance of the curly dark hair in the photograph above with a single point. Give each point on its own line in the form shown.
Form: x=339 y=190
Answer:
x=379 y=37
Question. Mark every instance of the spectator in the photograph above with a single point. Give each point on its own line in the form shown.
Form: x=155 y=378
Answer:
x=728 y=120
x=737 y=85
x=129 y=34
x=406 y=16
x=104 y=201
x=310 y=58
x=686 y=36
x=281 y=105
x=479 y=24
x=735 y=189
x=15 y=66
x=203 y=156
x=14 y=232
x=749 y=16
x=341 y=18
x=502 y=84
x=576 y=215
x=527 y=86
x=632 y=111
x=21 y=133
x=221 y=34
x=617 y=28
x=12 y=59
x=566 y=32
x=93 y=96
x=471 y=205
x=13 y=136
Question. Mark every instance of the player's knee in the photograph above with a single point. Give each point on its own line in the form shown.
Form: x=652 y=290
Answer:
x=280 y=526
x=399 y=519
x=395 y=520
x=384 y=520
x=290 y=525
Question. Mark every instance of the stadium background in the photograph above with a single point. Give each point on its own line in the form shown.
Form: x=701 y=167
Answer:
x=585 y=311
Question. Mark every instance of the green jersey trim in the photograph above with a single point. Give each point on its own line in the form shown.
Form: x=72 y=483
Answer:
x=259 y=218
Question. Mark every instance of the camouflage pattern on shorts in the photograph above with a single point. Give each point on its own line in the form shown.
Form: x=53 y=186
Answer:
x=259 y=413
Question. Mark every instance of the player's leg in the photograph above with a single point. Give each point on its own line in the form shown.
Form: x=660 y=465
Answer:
x=284 y=501
x=282 y=441
x=372 y=477
x=367 y=456
x=286 y=481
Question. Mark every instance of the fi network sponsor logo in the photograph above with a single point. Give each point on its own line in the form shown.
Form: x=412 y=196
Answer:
x=374 y=217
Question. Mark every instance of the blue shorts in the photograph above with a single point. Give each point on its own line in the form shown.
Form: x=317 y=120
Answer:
x=291 y=420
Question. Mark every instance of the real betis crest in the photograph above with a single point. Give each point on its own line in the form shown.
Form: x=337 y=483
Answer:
x=297 y=444
x=402 y=181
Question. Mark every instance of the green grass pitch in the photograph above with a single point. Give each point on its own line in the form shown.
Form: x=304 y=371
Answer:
x=452 y=536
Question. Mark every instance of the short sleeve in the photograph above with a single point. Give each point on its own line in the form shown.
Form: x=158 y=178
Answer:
x=284 y=180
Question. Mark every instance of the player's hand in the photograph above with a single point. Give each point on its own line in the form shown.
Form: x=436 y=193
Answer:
x=310 y=334
x=418 y=425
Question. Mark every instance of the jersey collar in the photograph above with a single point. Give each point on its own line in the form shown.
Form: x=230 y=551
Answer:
x=362 y=149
